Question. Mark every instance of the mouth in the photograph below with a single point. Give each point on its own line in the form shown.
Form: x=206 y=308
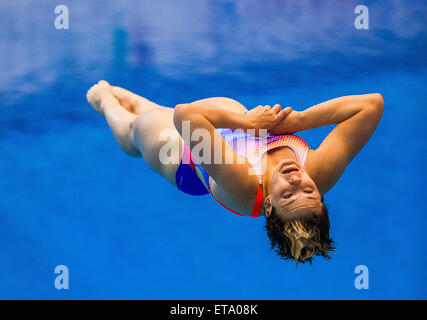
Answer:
x=287 y=166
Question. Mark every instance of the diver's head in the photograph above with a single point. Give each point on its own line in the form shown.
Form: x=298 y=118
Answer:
x=297 y=218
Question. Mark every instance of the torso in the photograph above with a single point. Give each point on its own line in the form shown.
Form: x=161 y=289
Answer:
x=273 y=150
x=151 y=126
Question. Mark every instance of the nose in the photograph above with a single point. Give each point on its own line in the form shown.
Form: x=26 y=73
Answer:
x=294 y=180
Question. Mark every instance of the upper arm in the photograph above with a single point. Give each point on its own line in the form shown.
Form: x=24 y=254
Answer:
x=327 y=163
x=229 y=170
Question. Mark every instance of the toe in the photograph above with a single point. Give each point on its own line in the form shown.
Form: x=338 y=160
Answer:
x=92 y=89
x=103 y=83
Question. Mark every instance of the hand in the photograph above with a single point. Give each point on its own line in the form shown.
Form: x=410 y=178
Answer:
x=291 y=124
x=266 y=117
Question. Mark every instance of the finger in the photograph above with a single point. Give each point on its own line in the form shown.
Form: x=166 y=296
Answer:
x=276 y=108
x=284 y=113
x=267 y=107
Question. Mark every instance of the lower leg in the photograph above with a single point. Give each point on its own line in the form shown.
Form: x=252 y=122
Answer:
x=132 y=102
x=121 y=124
x=120 y=121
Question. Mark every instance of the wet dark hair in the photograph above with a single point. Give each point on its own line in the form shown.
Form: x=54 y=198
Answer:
x=300 y=239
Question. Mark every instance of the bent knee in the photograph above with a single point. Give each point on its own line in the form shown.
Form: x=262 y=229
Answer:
x=225 y=103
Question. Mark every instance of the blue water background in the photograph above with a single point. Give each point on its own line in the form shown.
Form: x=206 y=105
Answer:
x=69 y=196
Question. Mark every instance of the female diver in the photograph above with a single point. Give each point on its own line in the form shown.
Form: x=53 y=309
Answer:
x=248 y=172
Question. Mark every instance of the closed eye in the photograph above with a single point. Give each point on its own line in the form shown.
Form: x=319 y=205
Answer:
x=287 y=195
x=308 y=191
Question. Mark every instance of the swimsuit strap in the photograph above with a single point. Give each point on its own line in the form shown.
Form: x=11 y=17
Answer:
x=258 y=203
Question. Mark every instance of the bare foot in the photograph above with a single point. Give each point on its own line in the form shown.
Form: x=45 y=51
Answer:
x=127 y=99
x=96 y=93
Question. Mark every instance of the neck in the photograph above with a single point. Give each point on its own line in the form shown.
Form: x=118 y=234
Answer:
x=269 y=161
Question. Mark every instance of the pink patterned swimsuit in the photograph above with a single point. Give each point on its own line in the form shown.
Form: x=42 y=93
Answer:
x=248 y=146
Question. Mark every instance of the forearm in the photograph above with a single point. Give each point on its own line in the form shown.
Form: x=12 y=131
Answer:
x=217 y=117
x=334 y=111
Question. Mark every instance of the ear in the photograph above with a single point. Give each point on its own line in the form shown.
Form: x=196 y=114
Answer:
x=267 y=206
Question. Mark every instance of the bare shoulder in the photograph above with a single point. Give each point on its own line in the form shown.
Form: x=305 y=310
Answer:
x=241 y=201
x=324 y=171
x=315 y=164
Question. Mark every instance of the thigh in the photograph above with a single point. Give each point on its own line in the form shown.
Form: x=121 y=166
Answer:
x=158 y=141
x=154 y=133
x=226 y=103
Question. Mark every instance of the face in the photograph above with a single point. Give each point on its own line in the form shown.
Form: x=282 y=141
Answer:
x=293 y=193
